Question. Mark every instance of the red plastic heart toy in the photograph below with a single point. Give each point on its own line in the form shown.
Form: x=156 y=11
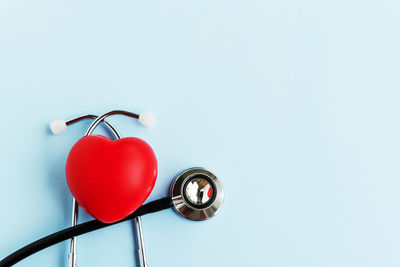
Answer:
x=110 y=179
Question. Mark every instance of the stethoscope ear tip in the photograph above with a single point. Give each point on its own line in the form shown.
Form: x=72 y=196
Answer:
x=147 y=119
x=58 y=126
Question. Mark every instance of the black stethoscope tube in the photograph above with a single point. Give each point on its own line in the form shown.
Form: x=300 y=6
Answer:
x=80 y=229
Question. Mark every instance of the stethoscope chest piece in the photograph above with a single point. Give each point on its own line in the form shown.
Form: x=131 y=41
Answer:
x=197 y=194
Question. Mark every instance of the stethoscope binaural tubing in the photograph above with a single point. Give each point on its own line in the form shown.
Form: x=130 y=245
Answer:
x=80 y=229
x=75 y=209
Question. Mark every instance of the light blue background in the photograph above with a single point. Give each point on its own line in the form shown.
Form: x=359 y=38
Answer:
x=293 y=104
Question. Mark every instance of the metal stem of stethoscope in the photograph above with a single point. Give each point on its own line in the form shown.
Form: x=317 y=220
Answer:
x=75 y=206
x=141 y=249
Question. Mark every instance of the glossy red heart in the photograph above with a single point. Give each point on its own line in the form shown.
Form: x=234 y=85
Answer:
x=110 y=179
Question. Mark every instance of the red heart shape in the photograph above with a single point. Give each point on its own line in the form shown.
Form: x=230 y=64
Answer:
x=110 y=179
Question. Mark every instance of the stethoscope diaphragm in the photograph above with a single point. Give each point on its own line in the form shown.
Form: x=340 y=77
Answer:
x=197 y=194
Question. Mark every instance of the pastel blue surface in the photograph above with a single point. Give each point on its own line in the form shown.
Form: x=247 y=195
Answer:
x=293 y=104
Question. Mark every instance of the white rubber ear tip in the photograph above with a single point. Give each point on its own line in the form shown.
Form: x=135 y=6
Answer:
x=58 y=126
x=147 y=119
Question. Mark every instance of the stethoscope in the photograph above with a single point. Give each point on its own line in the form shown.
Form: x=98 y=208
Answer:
x=196 y=194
